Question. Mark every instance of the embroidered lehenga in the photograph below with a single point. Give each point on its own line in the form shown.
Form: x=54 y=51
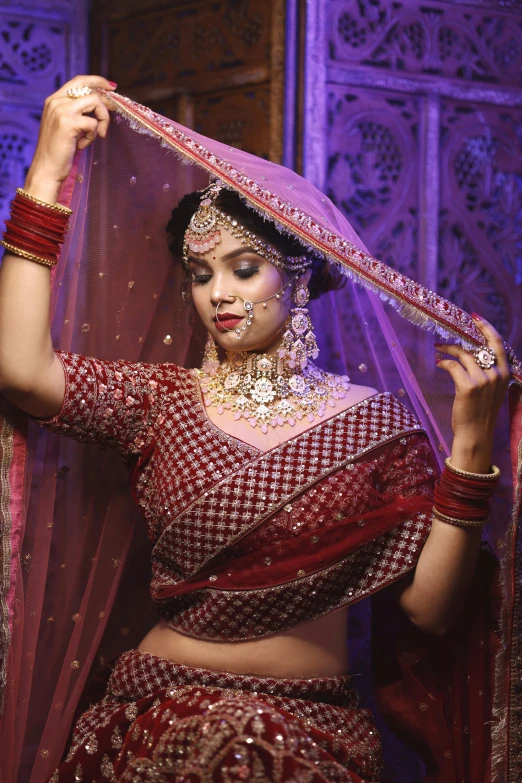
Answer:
x=245 y=543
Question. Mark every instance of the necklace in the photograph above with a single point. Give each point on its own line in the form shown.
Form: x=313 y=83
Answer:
x=263 y=390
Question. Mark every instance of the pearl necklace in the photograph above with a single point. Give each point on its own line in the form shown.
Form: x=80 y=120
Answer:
x=263 y=390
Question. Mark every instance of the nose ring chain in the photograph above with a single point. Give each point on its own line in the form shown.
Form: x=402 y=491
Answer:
x=248 y=304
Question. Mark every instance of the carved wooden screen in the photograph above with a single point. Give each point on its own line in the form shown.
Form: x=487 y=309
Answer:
x=412 y=124
x=422 y=150
x=42 y=44
x=214 y=66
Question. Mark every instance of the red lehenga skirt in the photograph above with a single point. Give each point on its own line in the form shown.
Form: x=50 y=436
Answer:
x=160 y=721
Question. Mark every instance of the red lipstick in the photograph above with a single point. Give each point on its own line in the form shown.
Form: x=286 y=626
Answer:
x=225 y=321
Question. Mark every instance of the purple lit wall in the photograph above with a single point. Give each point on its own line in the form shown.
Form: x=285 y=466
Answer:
x=42 y=44
x=413 y=127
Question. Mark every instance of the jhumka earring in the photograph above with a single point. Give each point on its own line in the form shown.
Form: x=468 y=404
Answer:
x=210 y=356
x=299 y=343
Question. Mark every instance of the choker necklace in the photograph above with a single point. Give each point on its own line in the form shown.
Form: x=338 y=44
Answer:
x=263 y=390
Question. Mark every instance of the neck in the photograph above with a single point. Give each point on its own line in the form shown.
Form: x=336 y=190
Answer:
x=269 y=350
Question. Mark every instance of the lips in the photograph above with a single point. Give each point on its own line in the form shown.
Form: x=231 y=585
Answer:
x=227 y=321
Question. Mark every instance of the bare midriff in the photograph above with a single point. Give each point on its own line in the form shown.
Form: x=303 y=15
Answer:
x=315 y=649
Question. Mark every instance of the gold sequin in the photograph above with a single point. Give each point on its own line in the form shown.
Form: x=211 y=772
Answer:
x=92 y=745
x=116 y=738
x=107 y=768
x=131 y=712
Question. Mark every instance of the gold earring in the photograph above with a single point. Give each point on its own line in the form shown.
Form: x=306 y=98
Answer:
x=210 y=356
x=299 y=341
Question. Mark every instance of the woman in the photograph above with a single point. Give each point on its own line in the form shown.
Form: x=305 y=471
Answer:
x=276 y=494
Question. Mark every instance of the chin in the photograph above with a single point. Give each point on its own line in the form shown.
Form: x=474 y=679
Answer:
x=230 y=342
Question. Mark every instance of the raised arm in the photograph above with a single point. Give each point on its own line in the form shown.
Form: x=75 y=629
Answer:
x=443 y=573
x=30 y=374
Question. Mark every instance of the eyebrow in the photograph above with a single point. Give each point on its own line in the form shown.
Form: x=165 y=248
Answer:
x=228 y=256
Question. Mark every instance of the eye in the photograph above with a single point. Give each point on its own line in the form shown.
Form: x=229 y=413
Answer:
x=200 y=279
x=245 y=272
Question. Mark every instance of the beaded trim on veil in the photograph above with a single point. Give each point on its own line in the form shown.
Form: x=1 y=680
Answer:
x=296 y=208
x=421 y=306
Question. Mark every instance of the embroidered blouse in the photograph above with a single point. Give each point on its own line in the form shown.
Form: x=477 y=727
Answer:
x=249 y=543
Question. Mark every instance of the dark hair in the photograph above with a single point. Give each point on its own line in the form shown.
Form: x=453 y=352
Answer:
x=324 y=277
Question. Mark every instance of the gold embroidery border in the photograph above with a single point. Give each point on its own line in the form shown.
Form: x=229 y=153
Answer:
x=369 y=272
x=6 y=459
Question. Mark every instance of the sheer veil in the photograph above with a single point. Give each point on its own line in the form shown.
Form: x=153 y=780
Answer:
x=73 y=570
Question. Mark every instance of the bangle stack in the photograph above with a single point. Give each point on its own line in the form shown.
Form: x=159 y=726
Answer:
x=36 y=229
x=462 y=498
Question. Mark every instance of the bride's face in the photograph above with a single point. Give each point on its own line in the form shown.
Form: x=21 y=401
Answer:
x=226 y=276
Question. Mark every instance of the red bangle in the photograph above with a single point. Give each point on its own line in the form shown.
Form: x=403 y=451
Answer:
x=36 y=230
x=59 y=208
x=462 y=497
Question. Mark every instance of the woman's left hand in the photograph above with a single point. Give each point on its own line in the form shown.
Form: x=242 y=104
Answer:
x=478 y=395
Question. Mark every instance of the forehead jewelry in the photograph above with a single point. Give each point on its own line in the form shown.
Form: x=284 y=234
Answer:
x=248 y=304
x=204 y=233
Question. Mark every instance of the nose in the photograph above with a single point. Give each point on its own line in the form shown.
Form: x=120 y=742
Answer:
x=219 y=291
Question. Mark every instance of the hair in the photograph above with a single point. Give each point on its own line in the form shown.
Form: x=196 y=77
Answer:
x=324 y=276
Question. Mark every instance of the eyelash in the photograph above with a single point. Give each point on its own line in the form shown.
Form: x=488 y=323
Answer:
x=243 y=274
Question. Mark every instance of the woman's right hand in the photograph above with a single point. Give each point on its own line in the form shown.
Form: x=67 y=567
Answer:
x=66 y=127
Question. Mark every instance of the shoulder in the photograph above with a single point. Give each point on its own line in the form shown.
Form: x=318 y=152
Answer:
x=390 y=412
x=353 y=394
x=166 y=373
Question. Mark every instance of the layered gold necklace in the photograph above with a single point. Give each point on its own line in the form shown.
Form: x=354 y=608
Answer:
x=262 y=389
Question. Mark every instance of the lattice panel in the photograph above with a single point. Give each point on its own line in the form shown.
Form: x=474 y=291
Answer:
x=480 y=265
x=450 y=40
x=18 y=132
x=235 y=116
x=214 y=65
x=374 y=170
x=191 y=47
x=33 y=50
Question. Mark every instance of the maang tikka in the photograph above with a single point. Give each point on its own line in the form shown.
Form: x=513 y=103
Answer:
x=299 y=343
x=203 y=233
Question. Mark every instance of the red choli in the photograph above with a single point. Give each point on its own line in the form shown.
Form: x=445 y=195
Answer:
x=246 y=543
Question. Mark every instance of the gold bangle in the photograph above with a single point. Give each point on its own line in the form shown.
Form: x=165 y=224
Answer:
x=458 y=522
x=24 y=254
x=55 y=207
x=494 y=476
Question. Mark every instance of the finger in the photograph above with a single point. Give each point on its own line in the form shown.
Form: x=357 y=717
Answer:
x=91 y=80
x=101 y=113
x=495 y=342
x=90 y=104
x=86 y=104
x=89 y=128
x=457 y=372
x=467 y=360
x=75 y=106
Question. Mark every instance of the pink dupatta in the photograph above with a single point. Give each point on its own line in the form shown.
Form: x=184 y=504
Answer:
x=67 y=522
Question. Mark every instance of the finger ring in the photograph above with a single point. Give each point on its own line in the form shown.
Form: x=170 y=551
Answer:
x=79 y=92
x=485 y=357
